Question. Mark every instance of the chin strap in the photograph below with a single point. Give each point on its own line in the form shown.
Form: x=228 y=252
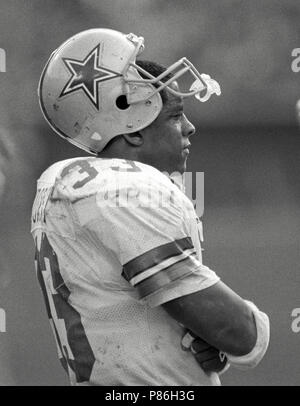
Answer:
x=212 y=87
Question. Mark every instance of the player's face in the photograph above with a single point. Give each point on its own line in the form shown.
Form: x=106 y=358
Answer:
x=166 y=140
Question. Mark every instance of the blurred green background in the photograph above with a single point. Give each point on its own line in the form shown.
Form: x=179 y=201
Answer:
x=247 y=144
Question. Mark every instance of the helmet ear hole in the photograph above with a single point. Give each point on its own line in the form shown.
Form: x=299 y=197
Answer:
x=121 y=102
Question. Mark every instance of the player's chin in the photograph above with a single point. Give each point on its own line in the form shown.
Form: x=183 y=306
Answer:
x=178 y=164
x=182 y=164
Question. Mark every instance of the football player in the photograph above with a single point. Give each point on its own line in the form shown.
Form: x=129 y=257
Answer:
x=118 y=254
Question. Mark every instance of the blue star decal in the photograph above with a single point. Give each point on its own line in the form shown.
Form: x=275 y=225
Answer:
x=86 y=76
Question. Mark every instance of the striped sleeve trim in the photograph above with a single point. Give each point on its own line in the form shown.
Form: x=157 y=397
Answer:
x=164 y=277
x=155 y=257
x=163 y=265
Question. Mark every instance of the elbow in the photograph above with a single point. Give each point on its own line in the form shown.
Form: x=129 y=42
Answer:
x=251 y=354
x=239 y=339
x=248 y=335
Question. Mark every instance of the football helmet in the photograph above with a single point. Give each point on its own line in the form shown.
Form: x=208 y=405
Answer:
x=91 y=88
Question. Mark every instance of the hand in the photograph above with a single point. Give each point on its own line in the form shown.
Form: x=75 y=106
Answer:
x=208 y=357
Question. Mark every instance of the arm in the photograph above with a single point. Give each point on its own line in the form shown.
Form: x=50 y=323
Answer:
x=219 y=316
x=158 y=258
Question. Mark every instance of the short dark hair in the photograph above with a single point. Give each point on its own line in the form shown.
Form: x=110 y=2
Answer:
x=155 y=69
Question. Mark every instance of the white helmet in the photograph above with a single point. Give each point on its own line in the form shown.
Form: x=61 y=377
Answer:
x=91 y=89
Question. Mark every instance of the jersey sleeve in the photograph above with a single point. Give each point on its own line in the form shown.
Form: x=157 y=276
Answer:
x=144 y=225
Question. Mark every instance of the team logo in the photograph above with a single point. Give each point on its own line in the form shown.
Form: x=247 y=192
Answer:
x=86 y=76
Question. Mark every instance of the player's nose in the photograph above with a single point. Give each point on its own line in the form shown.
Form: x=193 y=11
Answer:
x=189 y=128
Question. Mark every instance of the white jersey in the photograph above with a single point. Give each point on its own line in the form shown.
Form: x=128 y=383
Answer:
x=115 y=239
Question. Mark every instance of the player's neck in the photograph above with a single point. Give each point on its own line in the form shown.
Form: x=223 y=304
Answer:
x=122 y=151
x=119 y=153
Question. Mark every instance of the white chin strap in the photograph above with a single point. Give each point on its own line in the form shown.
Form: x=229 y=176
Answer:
x=212 y=87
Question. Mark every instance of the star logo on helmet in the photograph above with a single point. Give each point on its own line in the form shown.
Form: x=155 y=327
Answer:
x=86 y=76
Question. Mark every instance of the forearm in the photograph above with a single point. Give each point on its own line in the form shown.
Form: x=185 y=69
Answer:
x=219 y=316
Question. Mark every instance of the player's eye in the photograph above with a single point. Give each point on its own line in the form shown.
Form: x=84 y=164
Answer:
x=177 y=116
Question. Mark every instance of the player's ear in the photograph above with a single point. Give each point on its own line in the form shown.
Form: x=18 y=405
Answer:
x=135 y=139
